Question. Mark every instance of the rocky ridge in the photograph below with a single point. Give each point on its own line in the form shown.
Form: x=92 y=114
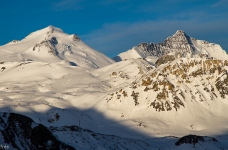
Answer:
x=169 y=86
x=179 y=43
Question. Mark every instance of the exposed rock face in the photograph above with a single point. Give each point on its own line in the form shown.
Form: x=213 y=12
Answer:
x=164 y=59
x=50 y=44
x=167 y=88
x=178 y=43
x=75 y=37
x=22 y=133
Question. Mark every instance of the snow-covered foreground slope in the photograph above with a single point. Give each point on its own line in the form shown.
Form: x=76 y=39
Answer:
x=21 y=132
x=178 y=43
x=52 y=45
x=44 y=89
x=105 y=100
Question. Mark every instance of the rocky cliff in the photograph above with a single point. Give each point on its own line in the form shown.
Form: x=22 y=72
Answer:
x=180 y=43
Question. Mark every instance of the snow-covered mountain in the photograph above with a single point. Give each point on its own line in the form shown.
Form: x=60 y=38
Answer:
x=185 y=90
x=51 y=44
x=178 y=43
x=91 y=102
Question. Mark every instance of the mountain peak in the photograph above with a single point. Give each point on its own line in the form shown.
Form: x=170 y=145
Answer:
x=52 y=28
x=179 y=35
x=45 y=31
x=52 y=45
x=177 y=43
x=180 y=32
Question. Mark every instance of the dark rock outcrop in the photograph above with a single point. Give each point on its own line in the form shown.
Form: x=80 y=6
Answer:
x=194 y=139
x=75 y=38
x=22 y=132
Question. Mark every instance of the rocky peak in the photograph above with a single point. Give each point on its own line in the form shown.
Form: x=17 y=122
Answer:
x=178 y=43
x=180 y=33
x=179 y=36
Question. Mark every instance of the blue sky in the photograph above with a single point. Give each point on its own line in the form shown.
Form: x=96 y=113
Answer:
x=114 y=26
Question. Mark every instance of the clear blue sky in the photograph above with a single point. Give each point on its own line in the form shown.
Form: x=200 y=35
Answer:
x=114 y=26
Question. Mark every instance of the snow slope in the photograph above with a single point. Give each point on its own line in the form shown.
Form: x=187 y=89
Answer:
x=37 y=87
x=44 y=91
x=21 y=132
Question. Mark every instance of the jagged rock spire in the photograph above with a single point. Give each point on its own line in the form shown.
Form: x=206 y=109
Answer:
x=178 y=43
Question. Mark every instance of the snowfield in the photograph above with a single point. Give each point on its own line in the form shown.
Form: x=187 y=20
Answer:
x=88 y=101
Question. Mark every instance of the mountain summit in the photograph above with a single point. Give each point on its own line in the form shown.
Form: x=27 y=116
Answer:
x=180 y=43
x=52 y=45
